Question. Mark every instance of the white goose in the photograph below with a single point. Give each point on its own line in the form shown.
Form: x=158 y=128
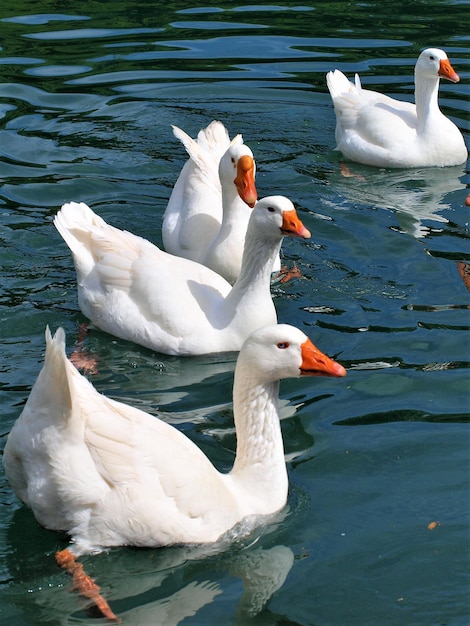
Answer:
x=133 y=290
x=194 y=212
x=209 y=208
x=374 y=129
x=224 y=252
x=109 y=474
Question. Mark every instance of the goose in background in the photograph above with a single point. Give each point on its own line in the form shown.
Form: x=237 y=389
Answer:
x=374 y=129
x=209 y=208
x=194 y=212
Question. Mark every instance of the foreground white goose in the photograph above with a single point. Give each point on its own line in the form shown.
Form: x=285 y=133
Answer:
x=209 y=208
x=374 y=129
x=109 y=474
x=133 y=290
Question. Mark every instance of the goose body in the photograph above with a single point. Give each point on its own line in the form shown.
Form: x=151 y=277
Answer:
x=210 y=205
x=374 y=129
x=109 y=474
x=194 y=212
x=133 y=290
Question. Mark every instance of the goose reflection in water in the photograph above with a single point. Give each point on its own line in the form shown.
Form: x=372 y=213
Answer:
x=415 y=196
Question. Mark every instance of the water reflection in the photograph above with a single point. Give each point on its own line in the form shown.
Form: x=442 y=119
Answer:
x=143 y=378
x=416 y=197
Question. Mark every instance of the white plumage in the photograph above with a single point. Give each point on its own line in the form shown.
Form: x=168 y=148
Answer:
x=194 y=212
x=209 y=208
x=133 y=290
x=110 y=474
x=374 y=129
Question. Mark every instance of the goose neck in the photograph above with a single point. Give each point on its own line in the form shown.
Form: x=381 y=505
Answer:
x=258 y=259
x=426 y=99
x=230 y=203
x=260 y=449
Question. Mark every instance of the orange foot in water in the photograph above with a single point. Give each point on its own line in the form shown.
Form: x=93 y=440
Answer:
x=285 y=274
x=464 y=271
x=347 y=173
x=80 y=358
x=83 y=584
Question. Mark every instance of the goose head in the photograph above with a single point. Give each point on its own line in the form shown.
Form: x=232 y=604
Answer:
x=237 y=166
x=276 y=215
x=280 y=351
x=434 y=63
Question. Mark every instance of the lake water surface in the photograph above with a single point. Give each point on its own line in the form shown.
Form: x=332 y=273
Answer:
x=88 y=93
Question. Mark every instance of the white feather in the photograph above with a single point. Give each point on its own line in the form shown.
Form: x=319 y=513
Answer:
x=110 y=474
x=133 y=290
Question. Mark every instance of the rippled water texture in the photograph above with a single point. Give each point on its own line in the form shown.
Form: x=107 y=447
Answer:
x=88 y=92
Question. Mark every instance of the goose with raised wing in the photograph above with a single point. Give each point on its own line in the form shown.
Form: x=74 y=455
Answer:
x=194 y=212
x=133 y=290
x=210 y=205
x=374 y=129
x=109 y=474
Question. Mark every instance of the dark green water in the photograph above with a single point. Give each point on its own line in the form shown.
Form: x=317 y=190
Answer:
x=88 y=92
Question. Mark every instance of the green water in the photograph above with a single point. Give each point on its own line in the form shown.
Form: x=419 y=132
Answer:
x=87 y=95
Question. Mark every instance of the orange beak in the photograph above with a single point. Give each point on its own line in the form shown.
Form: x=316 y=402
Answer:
x=245 y=180
x=315 y=363
x=292 y=225
x=447 y=71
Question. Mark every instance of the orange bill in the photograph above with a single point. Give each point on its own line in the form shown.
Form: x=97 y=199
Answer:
x=315 y=363
x=292 y=225
x=447 y=71
x=245 y=180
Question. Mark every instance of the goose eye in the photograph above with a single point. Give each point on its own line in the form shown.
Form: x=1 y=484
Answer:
x=271 y=209
x=233 y=160
x=283 y=345
x=432 y=58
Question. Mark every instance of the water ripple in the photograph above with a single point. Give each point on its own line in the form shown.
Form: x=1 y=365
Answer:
x=90 y=33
